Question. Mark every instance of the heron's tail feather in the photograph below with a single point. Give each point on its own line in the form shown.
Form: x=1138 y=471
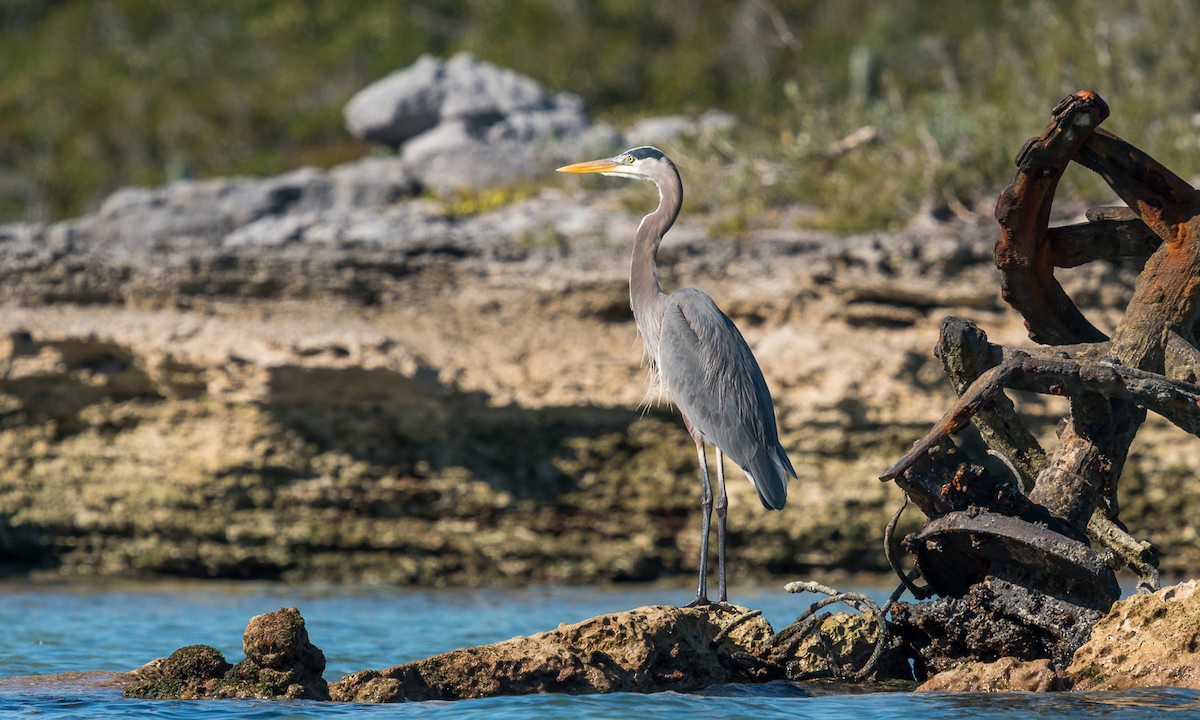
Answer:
x=769 y=471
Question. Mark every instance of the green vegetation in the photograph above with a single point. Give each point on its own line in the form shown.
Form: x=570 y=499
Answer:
x=96 y=94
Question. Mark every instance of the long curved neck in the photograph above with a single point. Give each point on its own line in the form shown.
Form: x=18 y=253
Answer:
x=645 y=294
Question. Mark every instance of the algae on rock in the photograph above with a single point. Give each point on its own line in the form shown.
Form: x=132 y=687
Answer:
x=280 y=663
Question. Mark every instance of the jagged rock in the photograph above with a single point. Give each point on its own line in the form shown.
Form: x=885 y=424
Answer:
x=188 y=673
x=196 y=209
x=467 y=124
x=280 y=663
x=1144 y=640
x=399 y=106
x=372 y=182
x=649 y=649
x=1008 y=674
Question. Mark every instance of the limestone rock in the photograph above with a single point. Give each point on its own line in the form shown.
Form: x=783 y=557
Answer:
x=1145 y=640
x=467 y=124
x=399 y=106
x=188 y=673
x=398 y=394
x=280 y=663
x=835 y=646
x=1008 y=674
x=649 y=649
x=477 y=89
x=406 y=103
x=372 y=182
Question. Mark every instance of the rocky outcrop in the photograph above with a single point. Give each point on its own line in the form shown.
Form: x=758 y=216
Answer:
x=1008 y=674
x=280 y=663
x=1145 y=640
x=393 y=392
x=319 y=375
x=467 y=124
x=650 y=649
x=406 y=396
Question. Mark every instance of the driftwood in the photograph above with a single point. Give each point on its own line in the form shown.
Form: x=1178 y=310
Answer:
x=995 y=541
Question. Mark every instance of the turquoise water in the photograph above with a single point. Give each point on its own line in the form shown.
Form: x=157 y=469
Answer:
x=67 y=629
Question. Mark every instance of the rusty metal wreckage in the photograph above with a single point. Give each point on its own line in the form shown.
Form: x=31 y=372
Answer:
x=1012 y=559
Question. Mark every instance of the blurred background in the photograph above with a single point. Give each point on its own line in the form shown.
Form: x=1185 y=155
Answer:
x=98 y=94
x=214 y=363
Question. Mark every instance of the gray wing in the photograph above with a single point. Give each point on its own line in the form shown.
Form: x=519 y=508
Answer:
x=715 y=381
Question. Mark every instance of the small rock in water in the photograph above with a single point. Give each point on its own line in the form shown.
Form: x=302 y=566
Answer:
x=280 y=663
x=188 y=673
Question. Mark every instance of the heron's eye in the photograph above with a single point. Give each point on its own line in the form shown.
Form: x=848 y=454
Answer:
x=628 y=159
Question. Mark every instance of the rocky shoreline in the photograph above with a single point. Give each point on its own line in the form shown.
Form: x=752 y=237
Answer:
x=1144 y=641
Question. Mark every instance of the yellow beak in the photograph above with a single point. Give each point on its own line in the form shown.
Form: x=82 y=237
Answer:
x=591 y=166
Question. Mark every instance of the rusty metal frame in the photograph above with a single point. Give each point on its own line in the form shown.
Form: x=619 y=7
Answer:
x=991 y=528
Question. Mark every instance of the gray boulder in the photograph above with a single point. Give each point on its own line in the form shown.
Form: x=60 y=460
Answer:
x=371 y=182
x=401 y=105
x=468 y=124
x=196 y=210
x=408 y=102
x=484 y=92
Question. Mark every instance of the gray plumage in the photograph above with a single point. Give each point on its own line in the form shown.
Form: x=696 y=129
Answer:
x=704 y=364
x=712 y=377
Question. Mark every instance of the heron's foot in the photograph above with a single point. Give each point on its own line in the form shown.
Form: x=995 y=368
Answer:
x=704 y=602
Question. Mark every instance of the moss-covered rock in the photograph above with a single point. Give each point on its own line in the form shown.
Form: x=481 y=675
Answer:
x=280 y=663
x=190 y=672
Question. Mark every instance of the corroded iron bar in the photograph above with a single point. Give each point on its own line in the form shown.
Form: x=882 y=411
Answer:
x=1075 y=245
x=1024 y=252
x=1167 y=295
x=1093 y=445
x=1177 y=401
x=965 y=353
x=1162 y=199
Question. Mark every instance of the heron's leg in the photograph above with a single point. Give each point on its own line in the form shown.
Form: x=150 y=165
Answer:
x=706 y=503
x=722 y=505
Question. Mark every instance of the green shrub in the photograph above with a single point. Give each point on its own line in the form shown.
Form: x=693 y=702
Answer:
x=96 y=94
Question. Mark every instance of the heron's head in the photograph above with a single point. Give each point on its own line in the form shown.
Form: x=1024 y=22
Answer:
x=640 y=163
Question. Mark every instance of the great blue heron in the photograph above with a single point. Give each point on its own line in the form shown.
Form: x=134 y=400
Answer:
x=702 y=361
